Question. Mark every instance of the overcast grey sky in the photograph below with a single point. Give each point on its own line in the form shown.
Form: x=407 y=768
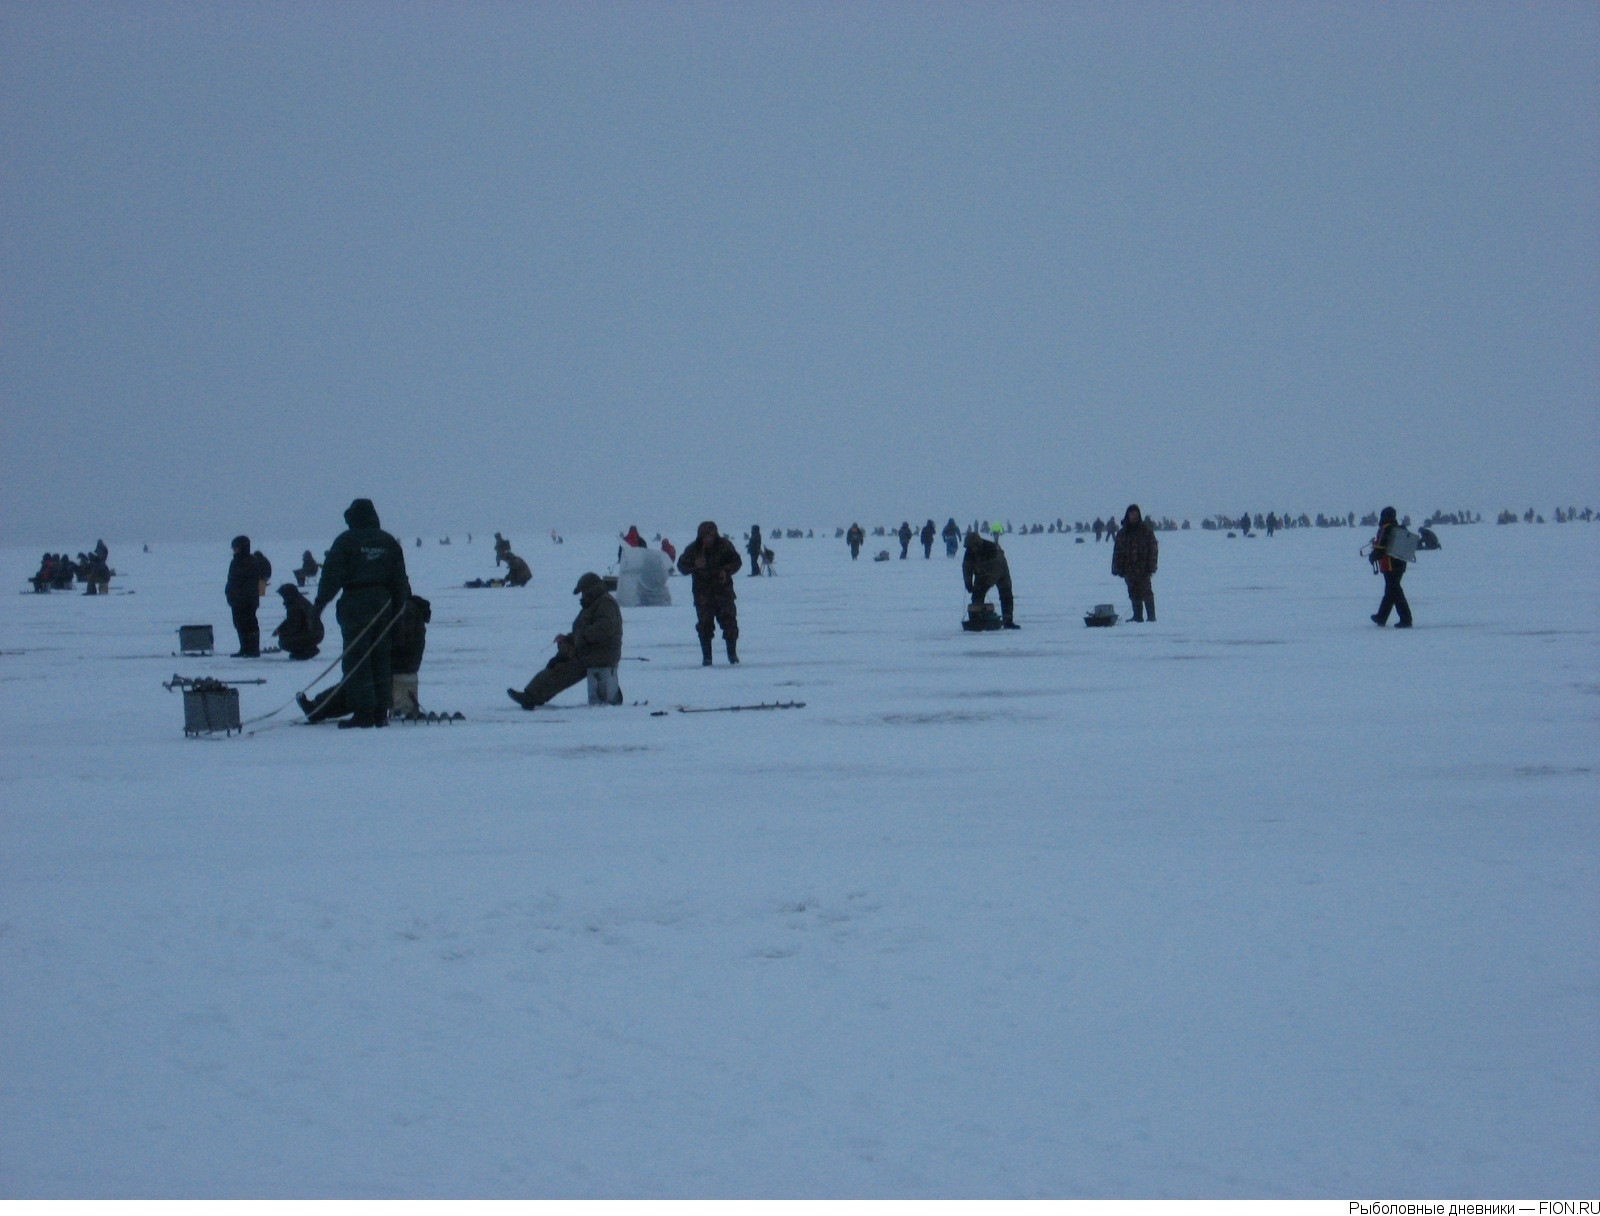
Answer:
x=587 y=265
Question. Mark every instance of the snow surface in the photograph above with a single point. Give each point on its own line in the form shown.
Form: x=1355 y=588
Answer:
x=1256 y=901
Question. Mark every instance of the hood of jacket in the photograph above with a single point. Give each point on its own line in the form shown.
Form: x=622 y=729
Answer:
x=361 y=514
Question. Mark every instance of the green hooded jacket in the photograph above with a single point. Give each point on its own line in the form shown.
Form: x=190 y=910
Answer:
x=364 y=557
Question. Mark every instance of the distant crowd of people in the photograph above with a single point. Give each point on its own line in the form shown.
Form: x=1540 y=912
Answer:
x=58 y=572
x=383 y=625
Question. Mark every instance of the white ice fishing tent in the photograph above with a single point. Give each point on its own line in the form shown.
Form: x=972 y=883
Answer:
x=642 y=578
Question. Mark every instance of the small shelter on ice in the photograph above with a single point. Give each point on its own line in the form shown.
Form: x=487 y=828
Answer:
x=642 y=578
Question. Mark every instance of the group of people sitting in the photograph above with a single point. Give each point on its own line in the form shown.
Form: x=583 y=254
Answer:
x=57 y=571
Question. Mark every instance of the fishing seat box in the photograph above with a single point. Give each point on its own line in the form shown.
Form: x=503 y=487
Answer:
x=196 y=639
x=208 y=710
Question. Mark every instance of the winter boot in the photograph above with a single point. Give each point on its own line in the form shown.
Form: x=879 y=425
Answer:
x=1150 y=611
x=733 y=650
x=705 y=652
x=1138 y=611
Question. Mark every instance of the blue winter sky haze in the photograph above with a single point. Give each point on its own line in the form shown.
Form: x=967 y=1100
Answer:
x=586 y=265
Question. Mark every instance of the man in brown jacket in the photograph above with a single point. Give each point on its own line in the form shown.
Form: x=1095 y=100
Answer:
x=1133 y=560
x=711 y=561
x=595 y=641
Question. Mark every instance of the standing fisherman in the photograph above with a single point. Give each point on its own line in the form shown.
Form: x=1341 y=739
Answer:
x=711 y=561
x=369 y=567
x=243 y=593
x=754 y=549
x=1134 y=555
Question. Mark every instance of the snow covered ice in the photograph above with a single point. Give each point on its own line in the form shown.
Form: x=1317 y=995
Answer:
x=1256 y=901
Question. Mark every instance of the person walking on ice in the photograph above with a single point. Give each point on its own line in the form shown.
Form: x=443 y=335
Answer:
x=1393 y=570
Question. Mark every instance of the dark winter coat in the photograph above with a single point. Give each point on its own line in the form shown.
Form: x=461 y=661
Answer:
x=1135 y=551
x=597 y=630
x=711 y=564
x=243 y=589
x=409 y=637
x=301 y=633
x=984 y=563
x=364 y=558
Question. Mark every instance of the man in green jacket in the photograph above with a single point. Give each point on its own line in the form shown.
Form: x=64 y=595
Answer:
x=595 y=641
x=368 y=566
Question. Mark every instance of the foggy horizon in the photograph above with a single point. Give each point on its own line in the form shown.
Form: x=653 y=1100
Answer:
x=580 y=267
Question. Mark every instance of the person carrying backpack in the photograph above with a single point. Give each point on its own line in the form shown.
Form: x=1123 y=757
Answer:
x=1393 y=570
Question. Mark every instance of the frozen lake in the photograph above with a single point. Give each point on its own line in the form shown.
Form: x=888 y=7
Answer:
x=1259 y=900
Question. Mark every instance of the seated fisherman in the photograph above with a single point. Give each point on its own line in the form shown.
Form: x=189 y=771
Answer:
x=595 y=641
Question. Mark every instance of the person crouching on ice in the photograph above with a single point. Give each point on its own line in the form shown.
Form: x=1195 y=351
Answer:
x=595 y=641
x=302 y=631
